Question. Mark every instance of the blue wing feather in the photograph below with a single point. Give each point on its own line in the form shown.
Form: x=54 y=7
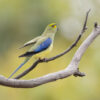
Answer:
x=43 y=46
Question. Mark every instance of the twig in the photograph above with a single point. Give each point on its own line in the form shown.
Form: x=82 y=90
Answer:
x=57 y=56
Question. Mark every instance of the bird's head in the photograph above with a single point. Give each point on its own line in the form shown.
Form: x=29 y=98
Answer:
x=52 y=25
x=51 y=28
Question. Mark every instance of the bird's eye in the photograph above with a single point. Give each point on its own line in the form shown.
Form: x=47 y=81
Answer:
x=54 y=26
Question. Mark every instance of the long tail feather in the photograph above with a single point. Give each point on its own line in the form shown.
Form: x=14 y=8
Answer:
x=25 y=61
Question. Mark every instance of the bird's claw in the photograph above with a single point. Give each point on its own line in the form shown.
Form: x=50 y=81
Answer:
x=43 y=59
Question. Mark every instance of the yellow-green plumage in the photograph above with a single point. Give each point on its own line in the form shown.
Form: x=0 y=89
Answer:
x=49 y=32
x=41 y=45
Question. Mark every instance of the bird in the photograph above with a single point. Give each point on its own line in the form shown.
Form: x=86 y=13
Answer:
x=40 y=46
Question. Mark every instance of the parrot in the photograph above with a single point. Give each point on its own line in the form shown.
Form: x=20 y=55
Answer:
x=40 y=46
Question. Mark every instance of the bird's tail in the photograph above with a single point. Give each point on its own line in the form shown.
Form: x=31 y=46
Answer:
x=24 y=62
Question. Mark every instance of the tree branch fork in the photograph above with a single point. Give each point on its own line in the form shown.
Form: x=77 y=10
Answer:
x=71 y=69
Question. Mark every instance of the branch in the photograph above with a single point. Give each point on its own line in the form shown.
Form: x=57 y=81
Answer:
x=57 y=56
x=71 y=69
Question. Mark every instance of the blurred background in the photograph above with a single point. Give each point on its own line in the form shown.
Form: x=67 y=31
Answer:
x=22 y=20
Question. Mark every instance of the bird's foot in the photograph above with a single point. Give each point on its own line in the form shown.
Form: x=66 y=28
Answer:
x=43 y=59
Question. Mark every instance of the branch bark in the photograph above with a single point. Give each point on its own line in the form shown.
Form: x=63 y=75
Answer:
x=71 y=69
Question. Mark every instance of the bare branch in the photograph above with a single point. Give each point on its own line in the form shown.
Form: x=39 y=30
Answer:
x=71 y=69
x=57 y=56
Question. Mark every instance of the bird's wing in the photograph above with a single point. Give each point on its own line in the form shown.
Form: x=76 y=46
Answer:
x=41 y=46
x=33 y=41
